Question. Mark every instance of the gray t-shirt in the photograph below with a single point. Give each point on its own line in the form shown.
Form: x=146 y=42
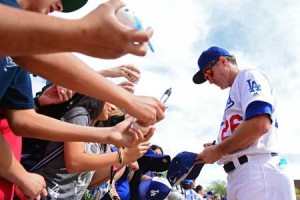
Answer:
x=60 y=183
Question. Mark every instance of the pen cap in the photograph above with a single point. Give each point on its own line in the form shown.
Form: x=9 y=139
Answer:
x=166 y=95
x=126 y=16
x=169 y=91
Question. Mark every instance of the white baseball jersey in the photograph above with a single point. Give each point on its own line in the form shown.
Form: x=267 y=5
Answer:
x=249 y=86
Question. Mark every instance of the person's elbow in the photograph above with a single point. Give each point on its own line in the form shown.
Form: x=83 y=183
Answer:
x=261 y=123
x=72 y=165
x=20 y=121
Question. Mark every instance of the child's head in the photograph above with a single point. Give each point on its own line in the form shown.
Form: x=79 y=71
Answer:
x=49 y=6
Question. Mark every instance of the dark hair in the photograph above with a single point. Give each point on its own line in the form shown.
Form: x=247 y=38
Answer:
x=198 y=188
x=93 y=106
x=112 y=121
x=58 y=110
x=186 y=186
x=154 y=147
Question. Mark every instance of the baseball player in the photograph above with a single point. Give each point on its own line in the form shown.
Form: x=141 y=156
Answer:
x=246 y=145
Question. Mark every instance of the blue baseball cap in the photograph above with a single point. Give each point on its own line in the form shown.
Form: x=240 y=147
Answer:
x=194 y=173
x=207 y=57
x=187 y=181
x=156 y=188
x=152 y=161
x=183 y=167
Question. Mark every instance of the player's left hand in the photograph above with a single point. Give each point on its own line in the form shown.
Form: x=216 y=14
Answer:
x=209 y=155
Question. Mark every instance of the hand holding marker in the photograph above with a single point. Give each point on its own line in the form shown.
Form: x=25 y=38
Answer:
x=163 y=99
x=128 y=17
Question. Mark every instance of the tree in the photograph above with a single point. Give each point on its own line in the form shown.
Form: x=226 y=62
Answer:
x=297 y=193
x=218 y=187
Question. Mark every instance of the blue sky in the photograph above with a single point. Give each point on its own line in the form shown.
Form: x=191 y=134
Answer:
x=261 y=34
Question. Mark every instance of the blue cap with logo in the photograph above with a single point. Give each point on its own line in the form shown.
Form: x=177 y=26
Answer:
x=156 y=188
x=183 y=167
x=207 y=57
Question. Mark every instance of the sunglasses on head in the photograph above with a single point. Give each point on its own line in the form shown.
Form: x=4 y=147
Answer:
x=208 y=72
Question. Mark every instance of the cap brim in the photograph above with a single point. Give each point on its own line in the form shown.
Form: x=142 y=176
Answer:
x=156 y=156
x=155 y=162
x=178 y=178
x=194 y=173
x=72 y=5
x=180 y=167
x=198 y=78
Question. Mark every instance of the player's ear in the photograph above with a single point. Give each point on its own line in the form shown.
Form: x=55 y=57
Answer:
x=223 y=60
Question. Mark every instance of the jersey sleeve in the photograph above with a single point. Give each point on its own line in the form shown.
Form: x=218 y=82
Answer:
x=255 y=87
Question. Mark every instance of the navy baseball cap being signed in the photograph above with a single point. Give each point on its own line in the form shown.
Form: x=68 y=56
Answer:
x=207 y=57
x=72 y=5
x=183 y=167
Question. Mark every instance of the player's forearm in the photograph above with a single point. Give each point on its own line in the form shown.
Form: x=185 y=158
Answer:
x=25 y=33
x=27 y=123
x=245 y=134
x=67 y=70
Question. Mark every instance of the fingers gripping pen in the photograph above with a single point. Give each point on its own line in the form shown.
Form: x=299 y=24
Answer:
x=163 y=99
x=128 y=17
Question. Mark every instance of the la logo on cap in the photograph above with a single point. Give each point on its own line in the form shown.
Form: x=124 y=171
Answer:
x=153 y=193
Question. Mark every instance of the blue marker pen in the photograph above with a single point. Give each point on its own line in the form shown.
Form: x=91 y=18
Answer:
x=138 y=26
x=127 y=17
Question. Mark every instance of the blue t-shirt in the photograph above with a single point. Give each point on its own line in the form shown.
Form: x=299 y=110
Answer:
x=15 y=82
x=15 y=86
x=122 y=186
x=11 y=3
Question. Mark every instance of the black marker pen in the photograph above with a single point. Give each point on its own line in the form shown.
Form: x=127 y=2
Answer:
x=163 y=99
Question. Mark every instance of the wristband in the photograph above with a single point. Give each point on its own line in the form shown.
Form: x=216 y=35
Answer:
x=120 y=156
